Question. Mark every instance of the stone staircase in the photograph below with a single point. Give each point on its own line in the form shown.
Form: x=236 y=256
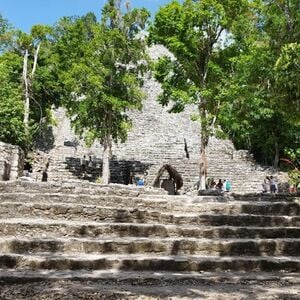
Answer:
x=70 y=170
x=125 y=242
x=157 y=137
x=224 y=162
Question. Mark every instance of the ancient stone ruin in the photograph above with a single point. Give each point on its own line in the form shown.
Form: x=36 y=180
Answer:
x=157 y=138
x=89 y=241
x=11 y=162
x=71 y=238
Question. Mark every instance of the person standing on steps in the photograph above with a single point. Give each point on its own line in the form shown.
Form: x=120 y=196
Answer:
x=27 y=168
x=45 y=171
x=45 y=174
x=7 y=170
x=266 y=185
x=273 y=185
x=224 y=185
x=83 y=164
x=228 y=186
x=212 y=185
x=90 y=163
x=219 y=185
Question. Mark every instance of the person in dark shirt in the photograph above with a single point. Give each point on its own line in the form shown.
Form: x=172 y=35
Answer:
x=27 y=168
x=219 y=185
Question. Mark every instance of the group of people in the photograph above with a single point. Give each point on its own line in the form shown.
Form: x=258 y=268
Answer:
x=270 y=185
x=221 y=185
x=86 y=164
x=27 y=170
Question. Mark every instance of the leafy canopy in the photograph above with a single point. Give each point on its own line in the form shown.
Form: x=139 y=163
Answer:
x=100 y=65
x=11 y=103
x=260 y=108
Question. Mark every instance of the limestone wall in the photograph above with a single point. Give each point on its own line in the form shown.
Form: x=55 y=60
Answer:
x=11 y=161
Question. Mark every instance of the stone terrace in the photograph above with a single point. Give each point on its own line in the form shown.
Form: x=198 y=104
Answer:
x=88 y=241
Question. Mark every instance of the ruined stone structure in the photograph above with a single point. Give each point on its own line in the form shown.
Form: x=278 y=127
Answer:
x=88 y=241
x=11 y=162
x=157 y=138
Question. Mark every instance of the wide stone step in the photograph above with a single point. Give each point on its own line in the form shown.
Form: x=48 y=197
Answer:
x=218 y=205
x=55 y=228
x=267 y=197
x=122 y=285
x=147 y=201
x=83 y=187
x=111 y=214
x=225 y=197
x=165 y=246
x=128 y=262
x=147 y=278
x=277 y=208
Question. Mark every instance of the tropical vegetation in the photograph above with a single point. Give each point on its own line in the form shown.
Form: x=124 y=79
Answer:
x=236 y=61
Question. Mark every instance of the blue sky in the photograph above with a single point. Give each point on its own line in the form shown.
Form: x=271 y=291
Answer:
x=22 y=14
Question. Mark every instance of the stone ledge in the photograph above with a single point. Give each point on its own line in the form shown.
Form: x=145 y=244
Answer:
x=187 y=263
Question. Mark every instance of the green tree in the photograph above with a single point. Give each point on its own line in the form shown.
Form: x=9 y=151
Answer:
x=11 y=102
x=281 y=23
x=194 y=32
x=29 y=45
x=27 y=62
x=287 y=78
x=100 y=67
x=260 y=108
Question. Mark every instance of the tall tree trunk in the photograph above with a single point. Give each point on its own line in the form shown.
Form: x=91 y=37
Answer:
x=35 y=59
x=106 y=158
x=26 y=94
x=27 y=79
x=203 y=166
x=203 y=144
x=203 y=114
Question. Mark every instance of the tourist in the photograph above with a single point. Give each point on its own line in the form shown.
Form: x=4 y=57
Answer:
x=7 y=170
x=228 y=186
x=27 y=168
x=273 y=185
x=45 y=171
x=90 y=165
x=141 y=182
x=266 y=185
x=212 y=185
x=45 y=175
x=90 y=162
x=219 y=185
x=83 y=166
x=224 y=185
x=207 y=186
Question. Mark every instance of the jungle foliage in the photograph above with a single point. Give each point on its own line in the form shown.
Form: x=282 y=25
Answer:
x=237 y=61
